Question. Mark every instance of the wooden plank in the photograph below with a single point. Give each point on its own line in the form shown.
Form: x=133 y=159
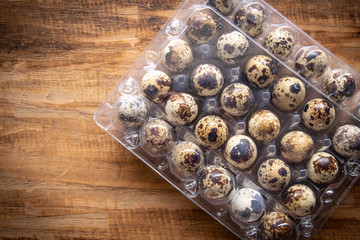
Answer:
x=62 y=177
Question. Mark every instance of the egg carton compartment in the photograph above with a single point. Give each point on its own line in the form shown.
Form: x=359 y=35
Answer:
x=207 y=107
x=295 y=48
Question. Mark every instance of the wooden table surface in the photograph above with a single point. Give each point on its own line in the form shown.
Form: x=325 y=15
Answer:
x=61 y=176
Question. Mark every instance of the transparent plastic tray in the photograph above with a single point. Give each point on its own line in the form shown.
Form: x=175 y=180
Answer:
x=145 y=119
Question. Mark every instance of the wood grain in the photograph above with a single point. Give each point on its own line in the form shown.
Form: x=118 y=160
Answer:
x=62 y=177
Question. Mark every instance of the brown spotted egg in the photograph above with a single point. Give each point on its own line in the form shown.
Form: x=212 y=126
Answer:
x=311 y=63
x=216 y=183
x=288 y=93
x=277 y=226
x=223 y=6
x=346 y=140
x=177 y=55
x=201 y=28
x=251 y=19
x=237 y=99
x=322 y=168
x=300 y=199
x=212 y=131
x=186 y=159
x=264 y=126
x=274 y=174
x=261 y=70
x=240 y=151
x=280 y=42
x=296 y=146
x=318 y=114
x=206 y=80
x=156 y=136
x=339 y=85
x=181 y=108
x=131 y=110
x=155 y=85
x=247 y=206
x=231 y=47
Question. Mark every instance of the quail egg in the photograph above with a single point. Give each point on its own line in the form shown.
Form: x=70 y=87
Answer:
x=155 y=85
x=274 y=174
x=346 y=140
x=251 y=19
x=339 y=85
x=237 y=99
x=322 y=168
x=186 y=159
x=240 y=151
x=181 y=108
x=156 y=137
x=261 y=70
x=131 y=110
x=280 y=42
x=216 y=183
x=296 y=146
x=177 y=55
x=206 y=80
x=318 y=114
x=277 y=226
x=300 y=199
x=288 y=93
x=201 y=28
x=264 y=126
x=311 y=63
x=212 y=131
x=247 y=206
x=231 y=47
x=223 y=6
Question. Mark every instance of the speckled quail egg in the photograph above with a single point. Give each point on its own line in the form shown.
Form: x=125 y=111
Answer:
x=177 y=55
x=237 y=99
x=247 y=206
x=346 y=140
x=300 y=199
x=212 y=131
x=131 y=110
x=311 y=63
x=261 y=70
x=240 y=151
x=223 y=6
x=264 y=126
x=280 y=42
x=296 y=146
x=231 y=47
x=186 y=159
x=288 y=93
x=277 y=226
x=274 y=174
x=251 y=19
x=201 y=28
x=322 y=168
x=216 y=183
x=181 y=108
x=318 y=114
x=206 y=80
x=339 y=84
x=156 y=136
x=155 y=85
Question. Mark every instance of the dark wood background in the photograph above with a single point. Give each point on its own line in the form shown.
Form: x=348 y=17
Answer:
x=61 y=176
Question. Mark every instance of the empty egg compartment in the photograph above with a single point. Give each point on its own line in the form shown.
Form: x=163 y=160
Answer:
x=172 y=80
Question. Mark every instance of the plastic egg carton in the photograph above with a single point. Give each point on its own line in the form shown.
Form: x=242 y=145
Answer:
x=238 y=168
